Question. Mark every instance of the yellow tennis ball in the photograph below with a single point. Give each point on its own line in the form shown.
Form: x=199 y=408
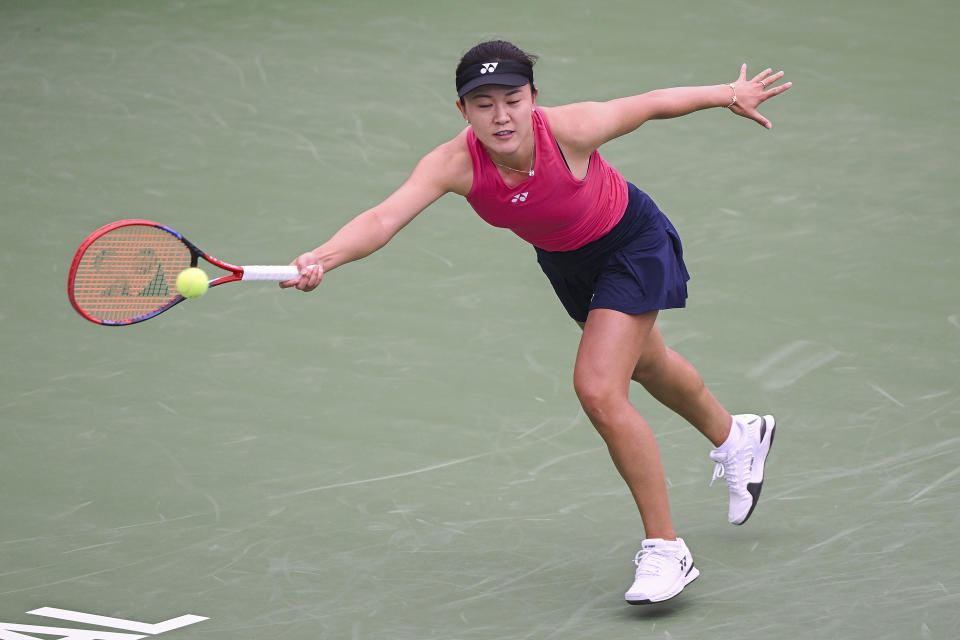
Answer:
x=192 y=282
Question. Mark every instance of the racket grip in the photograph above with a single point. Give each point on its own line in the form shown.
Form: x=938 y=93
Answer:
x=270 y=272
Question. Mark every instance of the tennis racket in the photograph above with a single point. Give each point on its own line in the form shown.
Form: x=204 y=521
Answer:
x=126 y=272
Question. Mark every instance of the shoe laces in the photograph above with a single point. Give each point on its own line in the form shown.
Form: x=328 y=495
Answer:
x=719 y=471
x=651 y=561
x=730 y=467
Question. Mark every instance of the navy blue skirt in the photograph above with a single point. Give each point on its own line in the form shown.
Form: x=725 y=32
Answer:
x=636 y=267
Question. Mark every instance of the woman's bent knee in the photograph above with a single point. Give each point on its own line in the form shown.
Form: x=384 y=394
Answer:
x=601 y=402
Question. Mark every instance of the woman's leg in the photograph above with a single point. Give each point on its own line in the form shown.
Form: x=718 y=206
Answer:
x=610 y=348
x=668 y=377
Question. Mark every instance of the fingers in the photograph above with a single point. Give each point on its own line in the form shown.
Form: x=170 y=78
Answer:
x=771 y=91
x=759 y=89
x=753 y=114
x=775 y=91
x=763 y=74
x=764 y=78
x=767 y=81
x=310 y=277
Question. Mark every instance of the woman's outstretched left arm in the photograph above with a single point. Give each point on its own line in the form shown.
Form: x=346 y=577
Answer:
x=590 y=124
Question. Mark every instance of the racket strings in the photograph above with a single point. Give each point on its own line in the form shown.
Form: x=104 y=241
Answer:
x=128 y=272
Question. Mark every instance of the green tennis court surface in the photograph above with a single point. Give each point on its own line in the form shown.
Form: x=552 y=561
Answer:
x=400 y=454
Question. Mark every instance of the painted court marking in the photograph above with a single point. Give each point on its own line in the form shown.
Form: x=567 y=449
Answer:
x=10 y=631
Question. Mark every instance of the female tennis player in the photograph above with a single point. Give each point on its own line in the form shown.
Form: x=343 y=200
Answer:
x=611 y=255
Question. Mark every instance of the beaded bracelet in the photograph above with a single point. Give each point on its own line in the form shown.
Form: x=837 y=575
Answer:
x=734 y=101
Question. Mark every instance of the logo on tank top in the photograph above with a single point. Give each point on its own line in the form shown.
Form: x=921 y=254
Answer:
x=520 y=197
x=488 y=67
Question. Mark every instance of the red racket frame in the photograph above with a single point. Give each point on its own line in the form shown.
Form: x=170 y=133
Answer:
x=236 y=273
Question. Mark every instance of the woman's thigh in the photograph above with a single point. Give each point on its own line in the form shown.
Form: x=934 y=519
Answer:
x=612 y=344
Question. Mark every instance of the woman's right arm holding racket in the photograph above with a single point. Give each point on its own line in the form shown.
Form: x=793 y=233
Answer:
x=447 y=168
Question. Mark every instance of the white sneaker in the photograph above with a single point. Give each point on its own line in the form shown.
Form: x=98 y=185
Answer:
x=742 y=468
x=664 y=568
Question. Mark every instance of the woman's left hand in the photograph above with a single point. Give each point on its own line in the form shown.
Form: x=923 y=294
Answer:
x=752 y=93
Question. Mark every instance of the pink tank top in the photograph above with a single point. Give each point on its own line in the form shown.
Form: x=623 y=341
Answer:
x=552 y=210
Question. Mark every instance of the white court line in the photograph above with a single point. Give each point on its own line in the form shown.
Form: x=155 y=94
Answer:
x=117 y=623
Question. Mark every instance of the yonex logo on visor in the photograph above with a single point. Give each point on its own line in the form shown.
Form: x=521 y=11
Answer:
x=508 y=73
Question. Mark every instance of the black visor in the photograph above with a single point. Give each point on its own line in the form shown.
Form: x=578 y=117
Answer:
x=505 y=72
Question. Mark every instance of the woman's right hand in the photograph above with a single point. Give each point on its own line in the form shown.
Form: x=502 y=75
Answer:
x=311 y=273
